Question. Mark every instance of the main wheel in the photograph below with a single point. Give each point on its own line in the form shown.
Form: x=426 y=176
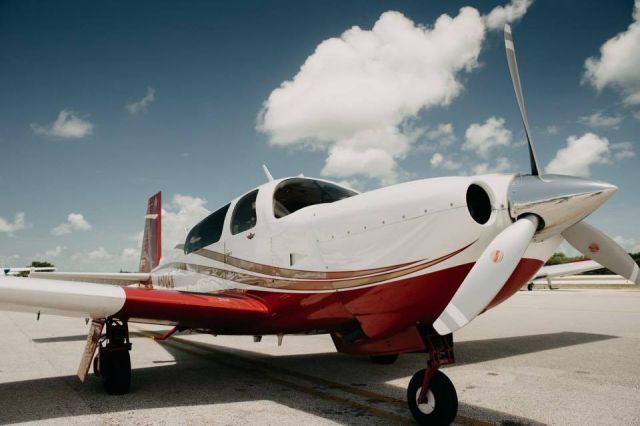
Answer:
x=115 y=369
x=441 y=401
x=383 y=359
x=530 y=286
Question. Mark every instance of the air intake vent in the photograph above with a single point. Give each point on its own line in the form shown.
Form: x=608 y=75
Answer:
x=478 y=203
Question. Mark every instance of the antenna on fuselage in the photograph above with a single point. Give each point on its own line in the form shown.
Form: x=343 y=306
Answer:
x=267 y=173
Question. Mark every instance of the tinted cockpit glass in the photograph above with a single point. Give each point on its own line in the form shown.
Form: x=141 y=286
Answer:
x=244 y=214
x=207 y=232
x=294 y=194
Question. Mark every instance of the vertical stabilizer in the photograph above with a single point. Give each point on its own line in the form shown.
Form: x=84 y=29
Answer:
x=152 y=238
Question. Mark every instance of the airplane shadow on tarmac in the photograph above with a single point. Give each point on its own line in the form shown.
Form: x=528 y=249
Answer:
x=211 y=374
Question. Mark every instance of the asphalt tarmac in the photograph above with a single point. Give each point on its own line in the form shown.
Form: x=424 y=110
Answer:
x=565 y=357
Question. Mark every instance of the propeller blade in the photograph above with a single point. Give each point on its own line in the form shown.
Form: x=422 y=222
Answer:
x=594 y=244
x=515 y=79
x=488 y=275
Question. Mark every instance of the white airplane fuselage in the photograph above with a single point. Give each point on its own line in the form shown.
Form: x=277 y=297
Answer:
x=387 y=258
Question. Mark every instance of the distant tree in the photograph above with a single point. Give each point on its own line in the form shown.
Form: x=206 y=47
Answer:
x=557 y=259
x=39 y=264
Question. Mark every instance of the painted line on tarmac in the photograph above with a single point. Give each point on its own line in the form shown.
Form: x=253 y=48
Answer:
x=267 y=370
x=240 y=363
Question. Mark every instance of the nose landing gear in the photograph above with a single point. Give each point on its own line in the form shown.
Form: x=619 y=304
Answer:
x=113 y=363
x=431 y=396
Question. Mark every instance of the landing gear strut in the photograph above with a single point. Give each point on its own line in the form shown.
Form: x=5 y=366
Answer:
x=431 y=395
x=113 y=362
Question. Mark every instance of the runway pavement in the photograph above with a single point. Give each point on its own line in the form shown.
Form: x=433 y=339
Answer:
x=566 y=357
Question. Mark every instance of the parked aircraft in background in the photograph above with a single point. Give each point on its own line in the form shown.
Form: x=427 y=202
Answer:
x=384 y=272
x=16 y=271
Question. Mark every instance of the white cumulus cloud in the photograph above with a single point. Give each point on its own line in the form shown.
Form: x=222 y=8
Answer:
x=482 y=138
x=19 y=223
x=98 y=255
x=355 y=93
x=178 y=217
x=579 y=155
x=142 y=105
x=598 y=119
x=443 y=134
x=502 y=165
x=438 y=160
x=631 y=245
x=618 y=63
x=75 y=222
x=54 y=253
x=130 y=255
x=358 y=95
x=623 y=150
x=68 y=126
x=509 y=13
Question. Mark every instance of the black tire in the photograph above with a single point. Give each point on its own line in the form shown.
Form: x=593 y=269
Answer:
x=115 y=368
x=530 y=287
x=96 y=365
x=383 y=359
x=442 y=406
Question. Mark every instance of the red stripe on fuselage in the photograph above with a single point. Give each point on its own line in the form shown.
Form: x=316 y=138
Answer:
x=382 y=310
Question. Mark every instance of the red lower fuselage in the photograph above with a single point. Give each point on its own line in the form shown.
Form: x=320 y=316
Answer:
x=381 y=310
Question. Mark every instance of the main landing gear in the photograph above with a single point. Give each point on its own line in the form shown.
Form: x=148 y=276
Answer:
x=431 y=395
x=112 y=362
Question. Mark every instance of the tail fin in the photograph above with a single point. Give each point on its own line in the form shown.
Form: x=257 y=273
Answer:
x=152 y=239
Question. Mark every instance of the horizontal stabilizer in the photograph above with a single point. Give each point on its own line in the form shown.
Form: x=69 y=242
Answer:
x=121 y=279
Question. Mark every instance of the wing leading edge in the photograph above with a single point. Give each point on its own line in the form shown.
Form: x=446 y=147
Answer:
x=92 y=300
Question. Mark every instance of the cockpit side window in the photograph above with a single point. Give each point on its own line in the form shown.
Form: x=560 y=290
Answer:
x=207 y=232
x=244 y=214
x=294 y=194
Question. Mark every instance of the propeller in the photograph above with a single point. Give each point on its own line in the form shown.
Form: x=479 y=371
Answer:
x=594 y=244
x=515 y=79
x=585 y=238
x=488 y=275
x=555 y=205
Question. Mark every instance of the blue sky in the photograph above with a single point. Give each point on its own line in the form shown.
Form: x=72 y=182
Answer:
x=152 y=96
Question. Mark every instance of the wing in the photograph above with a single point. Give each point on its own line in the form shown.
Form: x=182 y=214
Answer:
x=92 y=300
x=567 y=269
x=121 y=279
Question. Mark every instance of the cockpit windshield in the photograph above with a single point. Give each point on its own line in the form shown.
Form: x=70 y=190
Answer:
x=296 y=193
x=206 y=232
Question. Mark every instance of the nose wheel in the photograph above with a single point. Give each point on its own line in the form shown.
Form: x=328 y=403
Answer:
x=431 y=396
x=438 y=405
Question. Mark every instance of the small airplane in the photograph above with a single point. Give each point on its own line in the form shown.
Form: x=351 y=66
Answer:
x=16 y=271
x=385 y=272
